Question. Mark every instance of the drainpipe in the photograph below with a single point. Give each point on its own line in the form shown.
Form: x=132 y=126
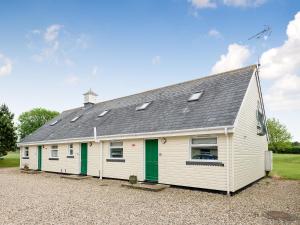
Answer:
x=101 y=152
x=227 y=164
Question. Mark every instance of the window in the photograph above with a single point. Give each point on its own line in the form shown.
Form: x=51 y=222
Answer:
x=75 y=118
x=261 y=127
x=142 y=106
x=26 y=152
x=54 y=122
x=103 y=113
x=204 y=149
x=195 y=96
x=116 y=149
x=70 y=151
x=54 y=151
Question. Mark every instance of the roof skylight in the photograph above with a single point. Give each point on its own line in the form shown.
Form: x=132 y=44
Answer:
x=195 y=96
x=55 y=122
x=142 y=106
x=75 y=118
x=103 y=113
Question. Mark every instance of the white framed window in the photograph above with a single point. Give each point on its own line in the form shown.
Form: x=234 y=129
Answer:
x=54 y=151
x=70 y=150
x=75 y=118
x=196 y=96
x=116 y=149
x=142 y=106
x=205 y=148
x=26 y=152
x=103 y=113
x=54 y=122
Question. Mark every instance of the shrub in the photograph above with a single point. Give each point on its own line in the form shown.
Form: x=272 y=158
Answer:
x=288 y=150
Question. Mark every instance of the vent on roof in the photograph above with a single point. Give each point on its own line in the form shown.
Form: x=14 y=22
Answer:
x=55 y=122
x=76 y=118
x=195 y=96
x=103 y=113
x=142 y=106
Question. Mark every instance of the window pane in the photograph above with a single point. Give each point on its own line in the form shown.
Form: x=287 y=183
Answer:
x=116 y=144
x=71 y=146
x=54 y=147
x=71 y=152
x=210 y=153
x=116 y=153
x=204 y=141
x=54 y=153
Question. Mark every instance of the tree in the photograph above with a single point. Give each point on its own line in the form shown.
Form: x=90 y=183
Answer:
x=279 y=136
x=34 y=119
x=8 y=135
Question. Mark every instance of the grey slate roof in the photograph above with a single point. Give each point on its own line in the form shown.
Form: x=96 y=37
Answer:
x=170 y=110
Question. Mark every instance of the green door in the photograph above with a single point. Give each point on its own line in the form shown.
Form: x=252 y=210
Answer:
x=83 y=170
x=39 y=157
x=152 y=160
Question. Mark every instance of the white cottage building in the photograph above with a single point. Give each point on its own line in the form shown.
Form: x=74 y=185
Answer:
x=206 y=133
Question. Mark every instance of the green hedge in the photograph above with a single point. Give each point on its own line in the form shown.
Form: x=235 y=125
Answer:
x=289 y=150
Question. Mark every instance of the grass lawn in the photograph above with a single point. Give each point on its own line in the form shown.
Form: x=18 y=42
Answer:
x=10 y=160
x=286 y=166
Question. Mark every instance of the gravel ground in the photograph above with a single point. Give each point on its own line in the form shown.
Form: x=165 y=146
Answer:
x=47 y=199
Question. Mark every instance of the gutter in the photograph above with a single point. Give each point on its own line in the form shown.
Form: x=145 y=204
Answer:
x=156 y=134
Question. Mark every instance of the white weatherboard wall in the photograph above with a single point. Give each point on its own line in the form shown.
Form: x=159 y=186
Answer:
x=248 y=147
x=133 y=153
x=63 y=164
x=173 y=169
x=93 y=157
x=32 y=162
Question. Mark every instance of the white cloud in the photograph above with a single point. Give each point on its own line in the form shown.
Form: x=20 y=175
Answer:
x=244 y=3
x=5 y=65
x=72 y=80
x=282 y=66
x=95 y=70
x=284 y=59
x=55 y=44
x=237 y=56
x=52 y=32
x=214 y=33
x=156 y=60
x=200 y=4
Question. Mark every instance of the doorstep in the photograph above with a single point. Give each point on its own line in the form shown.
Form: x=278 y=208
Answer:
x=75 y=177
x=31 y=171
x=146 y=187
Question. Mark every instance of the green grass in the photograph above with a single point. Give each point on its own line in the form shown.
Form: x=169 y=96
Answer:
x=286 y=166
x=12 y=159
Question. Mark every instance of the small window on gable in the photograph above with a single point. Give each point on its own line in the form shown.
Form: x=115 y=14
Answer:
x=75 y=118
x=195 y=97
x=142 y=106
x=26 y=152
x=103 y=113
x=54 y=122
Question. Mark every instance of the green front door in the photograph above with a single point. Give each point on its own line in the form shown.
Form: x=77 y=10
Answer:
x=152 y=160
x=39 y=157
x=83 y=154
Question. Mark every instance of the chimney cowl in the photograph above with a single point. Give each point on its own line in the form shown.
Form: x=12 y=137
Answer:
x=90 y=98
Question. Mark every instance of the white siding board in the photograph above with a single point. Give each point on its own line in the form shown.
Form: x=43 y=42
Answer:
x=32 y=162
x=248 y=147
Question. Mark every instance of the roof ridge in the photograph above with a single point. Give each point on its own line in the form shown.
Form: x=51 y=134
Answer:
x=183 y=82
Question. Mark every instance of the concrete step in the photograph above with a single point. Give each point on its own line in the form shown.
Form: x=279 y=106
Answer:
x=75 y=177
x=147 y=187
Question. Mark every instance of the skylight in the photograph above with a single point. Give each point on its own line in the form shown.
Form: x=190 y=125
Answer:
x=103 y=113
x=75 y=118
x=195 y=96
x=142 y=106
x=54 y=122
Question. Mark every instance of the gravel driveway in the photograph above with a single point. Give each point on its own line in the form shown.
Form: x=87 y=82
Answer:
x=47 y=199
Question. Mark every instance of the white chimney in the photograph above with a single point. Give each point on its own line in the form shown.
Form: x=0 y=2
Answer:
x=90 y=98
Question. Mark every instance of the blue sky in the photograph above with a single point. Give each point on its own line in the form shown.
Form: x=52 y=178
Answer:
x=53 y=51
